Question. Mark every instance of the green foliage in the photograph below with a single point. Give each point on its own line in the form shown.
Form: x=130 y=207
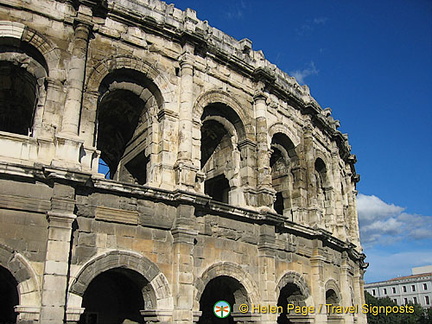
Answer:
x=408 y=314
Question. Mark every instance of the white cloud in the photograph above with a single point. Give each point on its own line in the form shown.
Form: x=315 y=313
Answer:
x=300 y=75
x=382 y=223
x=384 y=266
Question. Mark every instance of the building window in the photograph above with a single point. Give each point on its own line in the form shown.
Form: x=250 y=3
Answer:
x=373 y=292
x=393 y=290
x=424 y=286
x=405 y=301
x=385 y=291
x=415 y=300
x=395 y=300
x=427 y=300
x=404 y=288
x=413 y=287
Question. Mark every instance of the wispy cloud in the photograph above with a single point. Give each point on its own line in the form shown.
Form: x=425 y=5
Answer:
x=383 y=223
x=320 y=21
x=309 y=70
x=237 y=10
x=309 y=26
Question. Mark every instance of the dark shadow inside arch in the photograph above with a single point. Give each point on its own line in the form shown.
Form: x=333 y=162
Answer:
x=18 y=97
x=127 y=97
x=220 y=288
x=19 y=87
x=219 y=125
x=332 y=297
x=290 y=294
x=8 y=297
x=212 y=134
x=223 y=110
x=216 y=150
x=118 y=116
x=114 y=296
x=218 y=188
x=280 y=164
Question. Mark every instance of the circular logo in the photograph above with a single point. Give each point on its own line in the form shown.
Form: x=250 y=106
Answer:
x=221 y=309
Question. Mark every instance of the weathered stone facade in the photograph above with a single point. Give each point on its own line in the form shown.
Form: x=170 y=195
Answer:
x=227 y=179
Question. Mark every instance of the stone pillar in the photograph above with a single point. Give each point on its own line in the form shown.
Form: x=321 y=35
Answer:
x=75 y=80
x=266 y=193
x=352 y=212
x=248 y=179
x=345 y=288
x=55 y=277
x=184 y=165
x=359 y=294
x=162 y=174
x=318 y=284
x=184 y=236
x=68 y=143
x=312 y=182
x=267 y=270
x=299 y=195
x=338 y=225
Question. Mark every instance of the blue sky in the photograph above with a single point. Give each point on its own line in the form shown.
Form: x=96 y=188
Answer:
x=371 y=62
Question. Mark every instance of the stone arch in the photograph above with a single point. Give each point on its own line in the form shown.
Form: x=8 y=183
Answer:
x=226 y=124
x=321 y=183
x=24 y=65
x=292 y=289
x=219 y=96
x=42 y=44
x=127 y=115
x=105 y=67
x=157 y=293
x=295 y=278
x=27 y=283
x=222 y=123
x=227 y=269
x=283 y=160
x=279 y=127
x=333 y=292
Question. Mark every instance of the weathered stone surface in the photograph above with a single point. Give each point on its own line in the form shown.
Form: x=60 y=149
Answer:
x=226 y=178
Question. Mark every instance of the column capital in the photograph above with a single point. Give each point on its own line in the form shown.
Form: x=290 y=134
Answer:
x=82 y=24
x=259 y=95
x=60 y=219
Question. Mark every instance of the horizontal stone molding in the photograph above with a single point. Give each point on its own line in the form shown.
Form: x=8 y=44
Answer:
x=116 y=215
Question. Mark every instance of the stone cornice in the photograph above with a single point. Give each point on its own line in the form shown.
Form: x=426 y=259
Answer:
x=202 y=203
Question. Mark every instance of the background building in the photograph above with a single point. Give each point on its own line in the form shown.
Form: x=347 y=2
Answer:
x=227 y=180
x=416 y=288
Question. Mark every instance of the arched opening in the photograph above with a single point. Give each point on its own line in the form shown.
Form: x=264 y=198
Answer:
x=290 y=294
x=221 y=288
x=321 y=184
x=127 y=100
x=18 y=98
x=281 y=161
x=332 y=297
x=218 y=188
x=114 y=296
x=9 y=297
x=218 y=160
x=22 y=84
x=119 y=112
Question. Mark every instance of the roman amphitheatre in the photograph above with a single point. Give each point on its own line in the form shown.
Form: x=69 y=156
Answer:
x=225 y=179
